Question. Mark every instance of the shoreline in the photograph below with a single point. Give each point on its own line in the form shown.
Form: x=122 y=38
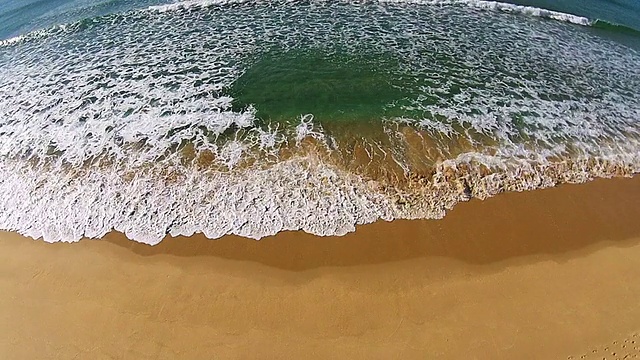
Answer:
x=460 y=223
x=542 y=274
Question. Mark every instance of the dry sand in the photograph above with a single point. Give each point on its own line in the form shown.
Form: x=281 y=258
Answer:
x=550 y=274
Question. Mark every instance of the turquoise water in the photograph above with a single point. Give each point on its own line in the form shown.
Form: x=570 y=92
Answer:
x=252 y=117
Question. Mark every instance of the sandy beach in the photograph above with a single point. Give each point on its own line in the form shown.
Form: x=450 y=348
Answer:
x=549 y=274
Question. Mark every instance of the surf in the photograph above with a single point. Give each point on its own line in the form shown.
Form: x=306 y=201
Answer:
x=194 y=4
x=252 y=119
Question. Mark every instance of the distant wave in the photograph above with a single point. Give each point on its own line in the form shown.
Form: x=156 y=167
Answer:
x=505 y=7
x=602 y=24
x=539 y=12
x=481 y=4
x=193 y=3
x=34 y=35
x=478 y=4
x=54 y=30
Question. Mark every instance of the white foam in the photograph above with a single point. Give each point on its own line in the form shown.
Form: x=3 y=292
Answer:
x=529 y=10
x=480 y=4
x=192 y=4
x=297 y=194
x=306 y=129
x=179 y=5
x=103 y=115
x=37 y=34
x=145 y=208
x=505 y=7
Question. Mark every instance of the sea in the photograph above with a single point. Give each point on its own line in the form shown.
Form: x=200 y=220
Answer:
x=251 y=117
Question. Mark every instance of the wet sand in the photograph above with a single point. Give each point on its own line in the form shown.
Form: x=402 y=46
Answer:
x=549 y=274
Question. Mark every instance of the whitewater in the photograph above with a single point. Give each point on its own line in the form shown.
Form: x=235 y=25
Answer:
x=255 y=117
x=479 y=4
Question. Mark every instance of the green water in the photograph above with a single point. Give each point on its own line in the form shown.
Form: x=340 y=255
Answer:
x=332 y=86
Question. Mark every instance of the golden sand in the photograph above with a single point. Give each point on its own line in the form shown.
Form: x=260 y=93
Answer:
x=549 y=274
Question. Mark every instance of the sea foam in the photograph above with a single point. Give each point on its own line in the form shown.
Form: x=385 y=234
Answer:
x=193 y=4
x=480 y=4
x=119 y=126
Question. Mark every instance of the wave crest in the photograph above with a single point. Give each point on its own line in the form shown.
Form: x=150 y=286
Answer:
x=478 y=4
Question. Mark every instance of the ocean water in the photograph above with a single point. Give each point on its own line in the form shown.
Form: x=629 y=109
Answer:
x=252 y=117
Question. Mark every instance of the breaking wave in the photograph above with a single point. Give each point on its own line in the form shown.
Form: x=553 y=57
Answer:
x=602 y=24
x=479 y=4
